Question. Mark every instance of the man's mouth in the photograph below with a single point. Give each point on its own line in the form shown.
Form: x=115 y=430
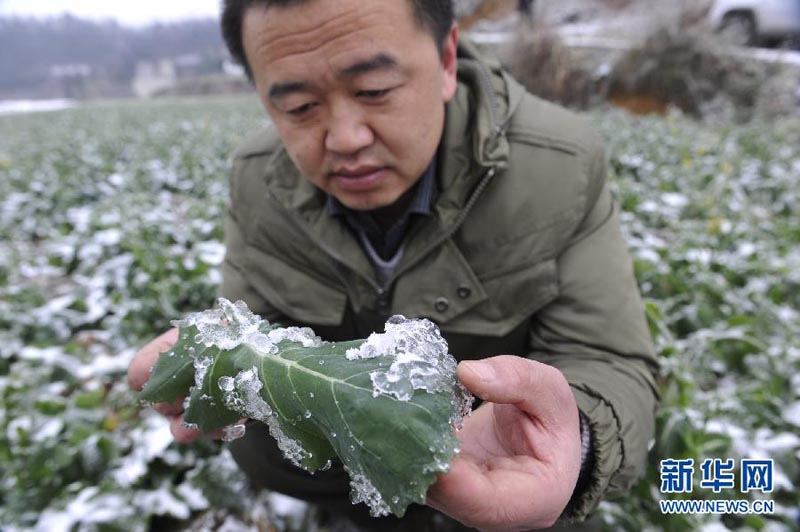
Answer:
x=358 y=178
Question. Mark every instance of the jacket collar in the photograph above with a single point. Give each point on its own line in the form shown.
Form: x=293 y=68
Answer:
x=475 y=128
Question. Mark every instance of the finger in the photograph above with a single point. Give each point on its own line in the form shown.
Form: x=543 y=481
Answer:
x=181 y=432
x=536 y=388
x=462 y=492
x=170 y=409
x=214 y=435
x=219 y=434
x=142 y=363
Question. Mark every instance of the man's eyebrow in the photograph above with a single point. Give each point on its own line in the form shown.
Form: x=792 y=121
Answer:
x=280 y=90
x=381 y=61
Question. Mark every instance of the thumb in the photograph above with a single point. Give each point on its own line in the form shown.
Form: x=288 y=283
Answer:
x=535 y=388
x=142 y=362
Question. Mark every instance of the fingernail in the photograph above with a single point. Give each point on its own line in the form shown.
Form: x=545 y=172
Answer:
x=484 y=370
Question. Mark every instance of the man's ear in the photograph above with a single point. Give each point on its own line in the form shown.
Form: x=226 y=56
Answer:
x=450 y=63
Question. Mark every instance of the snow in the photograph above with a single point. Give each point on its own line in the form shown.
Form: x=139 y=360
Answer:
x=224 y=326
x=301 y=335
x=108 y=237
x=290 y=510
x=362 y=490
x=193 y=496
x=153 y=437
x=245 y=398
x=163 y=501
x=421 y=362
x=211 y=252
x=792 y=413
x=89 y=507
x=233 y=432
x=51 y=428
x=261 y=342
x=9 y=107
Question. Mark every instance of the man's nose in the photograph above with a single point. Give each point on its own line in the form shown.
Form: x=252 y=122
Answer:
x=348 y=131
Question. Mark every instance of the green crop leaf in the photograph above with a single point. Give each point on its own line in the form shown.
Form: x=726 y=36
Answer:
x=385 y=407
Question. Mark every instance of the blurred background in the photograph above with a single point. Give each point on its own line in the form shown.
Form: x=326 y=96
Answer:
x=117 y=123
x=580 y=52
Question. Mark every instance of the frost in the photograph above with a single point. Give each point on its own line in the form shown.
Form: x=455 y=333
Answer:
x=154 y=438
x=226 y=326
x=87 y=508
x=362 y=490
x=300 y=335
x=226 y=384
x=792 y=413
x=163 y=501
x=376 y=345
x=462 y=401
x=421 y=362
x=261 y=342
x=201 y=366
x=17 y=426
x=108 y=237
x=50 y=429
x=229 y=325
x=193 y=496
x=770 y=442
x=211 y=252
x=233 y=432
x=290 y=510
x=675 y=200
x=245 y=397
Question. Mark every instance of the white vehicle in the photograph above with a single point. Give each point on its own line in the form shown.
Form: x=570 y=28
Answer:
x=749 y=22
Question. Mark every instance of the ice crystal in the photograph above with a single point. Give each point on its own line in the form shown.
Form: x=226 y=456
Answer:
x=300 y=335
x=261 y=342
x=362 y=490
x=421 y=359
x=225 y=326
x=244 y=396
x=233 y=432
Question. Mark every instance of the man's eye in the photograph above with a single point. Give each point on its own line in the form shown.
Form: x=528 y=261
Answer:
x=301 y=110
x=372 y=94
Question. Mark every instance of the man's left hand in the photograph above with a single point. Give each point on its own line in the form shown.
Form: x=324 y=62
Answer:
x=520 y=450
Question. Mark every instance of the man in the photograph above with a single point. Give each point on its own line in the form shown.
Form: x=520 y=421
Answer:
x=406 y=175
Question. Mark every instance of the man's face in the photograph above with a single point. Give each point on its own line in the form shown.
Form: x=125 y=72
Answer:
x=356 y=89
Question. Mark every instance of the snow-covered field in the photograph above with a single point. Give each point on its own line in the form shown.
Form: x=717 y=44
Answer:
x=111 y=226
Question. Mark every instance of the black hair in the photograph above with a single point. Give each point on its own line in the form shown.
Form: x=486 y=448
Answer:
x=435 y=16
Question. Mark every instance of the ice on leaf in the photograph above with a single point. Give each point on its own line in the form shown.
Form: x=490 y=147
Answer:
x=383 y=408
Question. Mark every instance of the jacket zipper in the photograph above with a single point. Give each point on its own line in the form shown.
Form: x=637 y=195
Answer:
x=485 y=180
x=487 y=177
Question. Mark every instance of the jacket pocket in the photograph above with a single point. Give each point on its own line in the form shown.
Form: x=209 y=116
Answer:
x=512 y=297
x=293 y=290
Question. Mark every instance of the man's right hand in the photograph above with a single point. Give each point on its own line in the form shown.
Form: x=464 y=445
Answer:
x=139 y=373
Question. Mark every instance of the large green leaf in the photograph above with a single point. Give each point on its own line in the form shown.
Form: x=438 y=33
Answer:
x=385 y=407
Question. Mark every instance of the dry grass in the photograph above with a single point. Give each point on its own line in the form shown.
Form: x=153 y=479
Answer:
x=687 y=69
x=547 y=68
